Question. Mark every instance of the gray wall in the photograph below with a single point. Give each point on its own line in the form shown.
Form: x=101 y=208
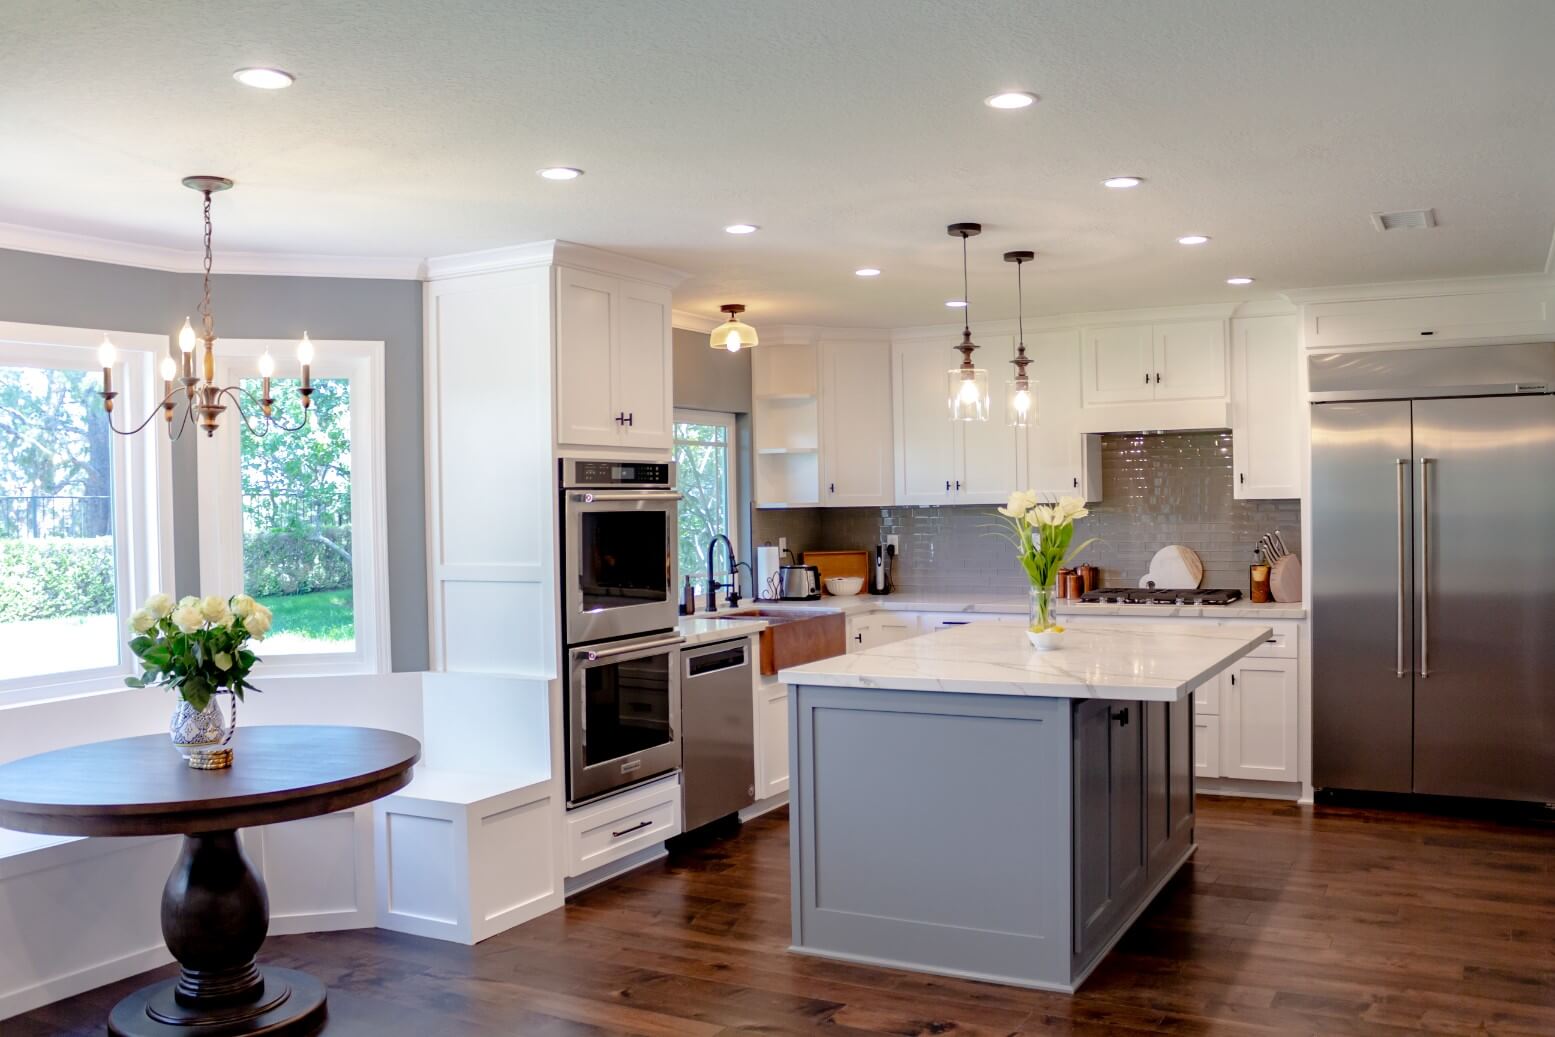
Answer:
x=37 y=289
x=711 y=379
x=1170 y=488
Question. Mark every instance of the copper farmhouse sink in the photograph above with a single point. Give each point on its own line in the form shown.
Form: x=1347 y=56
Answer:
x=795 y=636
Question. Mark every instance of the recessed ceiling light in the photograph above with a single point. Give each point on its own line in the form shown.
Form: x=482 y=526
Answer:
x=1239 y=280
x=1011 y=99
x=956 y=304
x=866 y=271
x=1193 y=239
x=560 y=173
x=741 y=228
x=264 y=78
x=1122 y=183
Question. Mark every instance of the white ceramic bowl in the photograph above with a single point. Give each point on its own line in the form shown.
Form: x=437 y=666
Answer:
x=1045 y=641
x=844 y=586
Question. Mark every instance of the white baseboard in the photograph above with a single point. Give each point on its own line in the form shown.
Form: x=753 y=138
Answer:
x=1287 y=790
x=764 y=806
x=25 y=999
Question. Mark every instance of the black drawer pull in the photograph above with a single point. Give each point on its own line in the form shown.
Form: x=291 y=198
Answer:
x=1121 y=716
x=628 y=831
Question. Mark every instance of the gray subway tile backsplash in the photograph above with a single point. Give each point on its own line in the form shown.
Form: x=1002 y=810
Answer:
x=1166 y=488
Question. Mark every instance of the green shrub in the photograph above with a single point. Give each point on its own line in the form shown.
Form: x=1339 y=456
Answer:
x=296 y=563
x=55 y=578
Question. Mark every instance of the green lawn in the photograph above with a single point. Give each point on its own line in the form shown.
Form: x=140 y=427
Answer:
x=319 y=615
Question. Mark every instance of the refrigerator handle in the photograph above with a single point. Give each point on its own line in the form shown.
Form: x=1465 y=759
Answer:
x=1425 y=566
x=1398 y=666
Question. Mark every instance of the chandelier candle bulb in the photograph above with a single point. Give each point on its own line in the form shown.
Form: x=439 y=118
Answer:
x=266 y=369
x=106 y=355
x=305 y=356
x=169 y=372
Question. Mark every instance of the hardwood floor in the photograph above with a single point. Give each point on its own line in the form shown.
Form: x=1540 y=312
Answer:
x=1290 y=920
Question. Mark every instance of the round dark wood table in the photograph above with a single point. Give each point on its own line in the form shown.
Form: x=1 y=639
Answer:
x=215 y=911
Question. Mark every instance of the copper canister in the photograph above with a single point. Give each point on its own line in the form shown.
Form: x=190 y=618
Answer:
x=1064 y=583
x=1090 y=578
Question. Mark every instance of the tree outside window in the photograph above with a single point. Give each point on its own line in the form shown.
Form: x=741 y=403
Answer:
x=704 y=475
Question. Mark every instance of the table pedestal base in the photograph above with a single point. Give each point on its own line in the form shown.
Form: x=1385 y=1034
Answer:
x=215 y=914
x=292 y=1003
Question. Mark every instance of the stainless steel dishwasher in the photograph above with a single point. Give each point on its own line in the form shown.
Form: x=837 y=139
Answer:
x=717 y=721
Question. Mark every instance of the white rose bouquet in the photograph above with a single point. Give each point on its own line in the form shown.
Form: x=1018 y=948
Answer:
x=1041 y=534
x=197 y=645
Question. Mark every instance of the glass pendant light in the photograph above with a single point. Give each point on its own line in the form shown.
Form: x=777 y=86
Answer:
x=966 y=383
x=733 y=334
x=1020 y=408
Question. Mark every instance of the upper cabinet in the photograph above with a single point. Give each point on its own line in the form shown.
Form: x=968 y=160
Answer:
x=1060 y=461
x=1510 y=314
x=1265 y=408
x=613 y=362
x=940 y=461
x=1134 y=363
x=855 y=408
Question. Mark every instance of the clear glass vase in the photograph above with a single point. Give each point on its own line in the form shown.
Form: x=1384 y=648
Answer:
x=1040 y=614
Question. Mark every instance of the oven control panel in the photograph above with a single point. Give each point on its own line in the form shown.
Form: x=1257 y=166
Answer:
x=595 y=474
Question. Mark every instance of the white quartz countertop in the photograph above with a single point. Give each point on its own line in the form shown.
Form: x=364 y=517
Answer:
x=700 y=630
x=1006 y=605
x=1149 y=662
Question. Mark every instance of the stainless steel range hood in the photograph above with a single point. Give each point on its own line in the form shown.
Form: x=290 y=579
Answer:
x=1415 y=373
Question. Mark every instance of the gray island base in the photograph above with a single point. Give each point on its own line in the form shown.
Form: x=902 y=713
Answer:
x=962 y=804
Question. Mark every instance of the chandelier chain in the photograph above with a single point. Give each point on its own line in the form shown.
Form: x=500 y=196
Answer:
x=205 y=300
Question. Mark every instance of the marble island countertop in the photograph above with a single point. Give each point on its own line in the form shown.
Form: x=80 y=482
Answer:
x=1147 y=662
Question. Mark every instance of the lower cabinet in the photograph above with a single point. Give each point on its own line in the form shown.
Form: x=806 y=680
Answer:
x=872 y=629
x=1259 y=720
x=771 y=737
x=1133 y=810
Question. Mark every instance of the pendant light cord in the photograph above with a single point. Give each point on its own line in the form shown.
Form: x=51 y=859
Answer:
x=1020 y=308
x=966 y=309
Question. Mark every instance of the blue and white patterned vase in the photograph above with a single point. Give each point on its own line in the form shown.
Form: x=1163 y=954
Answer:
x=197 y=731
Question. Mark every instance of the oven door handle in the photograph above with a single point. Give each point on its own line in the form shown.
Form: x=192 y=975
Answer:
x=595 y=654
x=607 y=496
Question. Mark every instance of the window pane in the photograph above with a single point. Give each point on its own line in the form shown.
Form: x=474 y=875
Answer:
x=297 y=519
x=58 y=589
x=702 y=477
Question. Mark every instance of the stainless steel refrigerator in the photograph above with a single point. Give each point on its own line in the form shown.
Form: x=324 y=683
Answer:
x=1433 y=571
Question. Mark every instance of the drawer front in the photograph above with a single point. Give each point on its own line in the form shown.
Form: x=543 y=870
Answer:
x=1284 y=640
x=1206 y=698
x=599 y=834
x=1206 y=746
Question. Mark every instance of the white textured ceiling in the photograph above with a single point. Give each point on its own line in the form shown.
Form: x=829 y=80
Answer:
x=850 y=130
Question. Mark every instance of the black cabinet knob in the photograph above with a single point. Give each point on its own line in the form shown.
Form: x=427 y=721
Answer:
x=1121 y=716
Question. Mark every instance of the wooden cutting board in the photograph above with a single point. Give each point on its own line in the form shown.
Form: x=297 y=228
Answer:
x=839 y=563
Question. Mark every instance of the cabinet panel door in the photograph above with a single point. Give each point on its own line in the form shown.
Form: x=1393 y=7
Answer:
x=1158 y=781
x=643 y=383
x=1259 y=717
x=925 y=438
x=989 y=452
x=1265 y=411
x=773 y=752
x=1190 y=360
x=1055 y=449
x=856 y=424
x=1128 y=797
x=1092 y=809
x=585 y=335
x=1180 y=768
x=1206 y=746
x=1117 y=364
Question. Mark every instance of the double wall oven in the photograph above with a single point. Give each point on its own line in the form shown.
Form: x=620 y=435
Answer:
x=619 y=610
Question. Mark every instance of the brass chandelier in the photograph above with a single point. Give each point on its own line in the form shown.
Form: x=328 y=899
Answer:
x=202 y=396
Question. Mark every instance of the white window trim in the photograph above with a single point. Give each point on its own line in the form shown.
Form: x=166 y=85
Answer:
x=221 y=528
x=143 y=495
x=685 y=415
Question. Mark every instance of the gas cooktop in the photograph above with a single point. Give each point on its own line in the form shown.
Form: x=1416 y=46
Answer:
x=1142 y=596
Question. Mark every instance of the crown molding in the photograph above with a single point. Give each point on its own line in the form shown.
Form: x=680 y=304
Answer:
x=557 y=252
x=189 y=261
x=1066 y=321
x=685 y=320
x=1420 y=289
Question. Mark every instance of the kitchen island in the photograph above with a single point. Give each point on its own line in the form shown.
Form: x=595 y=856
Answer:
x=963 y=804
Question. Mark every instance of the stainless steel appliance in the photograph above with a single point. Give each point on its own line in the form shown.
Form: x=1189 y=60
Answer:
x=799 y=583
x=718 y=752
x=1433 y=548
x=1142 y=596
x=618 y=549
x=623 y=714
x=880 y=569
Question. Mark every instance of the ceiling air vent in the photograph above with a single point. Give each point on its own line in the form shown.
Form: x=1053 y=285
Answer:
x=1404 y=219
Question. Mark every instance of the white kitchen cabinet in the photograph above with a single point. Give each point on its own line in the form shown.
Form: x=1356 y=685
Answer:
x=939 y=461
x=1265 y=408
x=771 y=737
x=1166 y=361
x=855 y=403
x=1206 y=745
x=1519 y=313
x=613 y=362
x=1258 y=715
x=872 y=629
x=1060 y=460
x=786 y=423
